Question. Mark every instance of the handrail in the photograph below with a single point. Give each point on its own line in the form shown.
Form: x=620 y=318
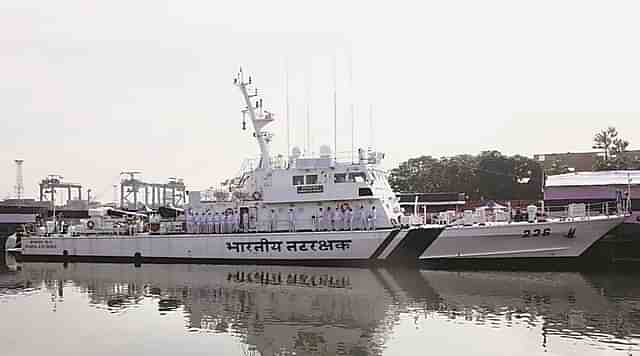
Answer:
x=562 y=212
x=280 y=161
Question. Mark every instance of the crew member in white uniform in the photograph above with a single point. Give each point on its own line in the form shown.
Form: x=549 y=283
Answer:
x=291 y=215
x=196 y=223
x=190 y=222
x=273 y=223
x=332 y=218
x=373 y=217
x=226 y=221
x=203 y=223
x=362 y=215
x=339 y=219
x=236 y=221
x=314 y=222
x=349 y=219
x=209 y=223
x=245 y=222
x=322 y=220
x=216 y=221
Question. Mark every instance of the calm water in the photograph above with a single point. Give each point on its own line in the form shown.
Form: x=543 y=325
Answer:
x=118 y=309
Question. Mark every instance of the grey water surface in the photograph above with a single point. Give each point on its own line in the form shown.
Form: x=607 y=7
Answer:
x=119 y=309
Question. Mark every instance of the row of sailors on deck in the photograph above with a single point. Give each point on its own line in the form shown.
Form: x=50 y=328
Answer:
x=208 y=223
x=343 y=218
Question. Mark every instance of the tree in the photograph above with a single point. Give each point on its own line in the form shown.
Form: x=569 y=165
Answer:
x=604 y=139
x=557 y=167
x=614 y=149
x=417 y=175
x=528 y=174
x=496 y=179
x=489 y=175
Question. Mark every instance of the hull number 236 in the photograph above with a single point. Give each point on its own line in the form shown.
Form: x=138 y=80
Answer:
x=537 y=232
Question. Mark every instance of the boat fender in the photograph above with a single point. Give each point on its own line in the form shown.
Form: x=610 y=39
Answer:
x=91 y=225
x=257 y=196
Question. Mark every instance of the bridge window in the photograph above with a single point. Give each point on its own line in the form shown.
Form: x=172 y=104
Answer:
x=298 y=180
x=311 y=179
x=365 y=192
x=340 y=178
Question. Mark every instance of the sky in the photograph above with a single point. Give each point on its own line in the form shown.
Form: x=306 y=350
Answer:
x=92 y=88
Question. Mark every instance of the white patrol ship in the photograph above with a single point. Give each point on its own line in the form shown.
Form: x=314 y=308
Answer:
x=549 y=240
x=296 y=210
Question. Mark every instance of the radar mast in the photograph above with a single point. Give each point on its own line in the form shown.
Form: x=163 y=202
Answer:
x=258 y=116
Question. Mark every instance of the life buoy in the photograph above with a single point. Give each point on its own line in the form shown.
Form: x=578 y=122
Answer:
x=257 y=196
x=90 y=224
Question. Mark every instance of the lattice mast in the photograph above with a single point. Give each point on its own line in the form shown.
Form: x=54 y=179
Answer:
x=258 y=116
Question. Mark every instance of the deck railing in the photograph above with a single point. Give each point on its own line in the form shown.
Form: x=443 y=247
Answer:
x=565 y=212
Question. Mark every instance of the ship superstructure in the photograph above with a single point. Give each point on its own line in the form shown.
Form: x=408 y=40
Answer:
x=269 y=185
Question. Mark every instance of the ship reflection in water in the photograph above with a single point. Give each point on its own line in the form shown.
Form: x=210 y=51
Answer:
x=108 y=309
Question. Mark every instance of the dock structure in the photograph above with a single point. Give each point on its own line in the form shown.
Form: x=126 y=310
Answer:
x=134 y=192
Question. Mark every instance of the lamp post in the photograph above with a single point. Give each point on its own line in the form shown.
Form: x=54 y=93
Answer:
x=629 y=180
x=542 y=189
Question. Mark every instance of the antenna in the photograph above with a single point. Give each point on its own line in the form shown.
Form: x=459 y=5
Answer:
x=371 y=127
x=335 y=112
x=353 y=129
x=308 y=116
x=115 y=195
x=19 y=179
x=286 y=109
x=308 y=135
x=351 y=106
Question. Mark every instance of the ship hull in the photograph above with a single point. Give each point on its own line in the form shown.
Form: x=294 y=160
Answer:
x=306 y=248
x=517 y=242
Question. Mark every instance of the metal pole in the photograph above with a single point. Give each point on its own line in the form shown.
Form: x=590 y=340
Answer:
x=542 y=189
x=628 y=192
x=53 y=201
x=335 y=112
x=286 y=110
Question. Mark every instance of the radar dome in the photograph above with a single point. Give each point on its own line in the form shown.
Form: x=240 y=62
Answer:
x=325 y=151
